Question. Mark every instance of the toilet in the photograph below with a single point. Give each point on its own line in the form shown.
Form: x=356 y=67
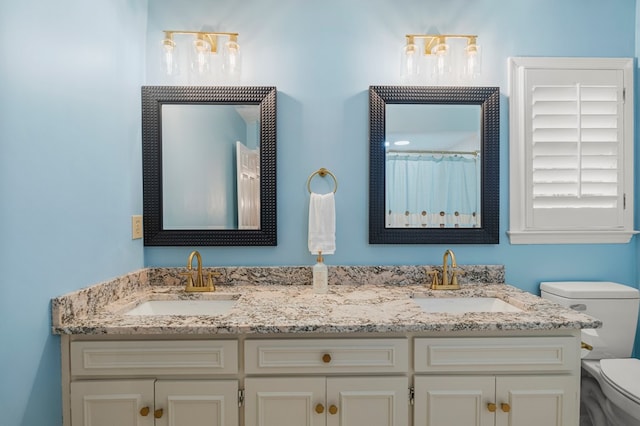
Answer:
x=610 y=383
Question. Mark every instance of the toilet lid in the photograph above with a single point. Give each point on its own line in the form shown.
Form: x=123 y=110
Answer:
x=624 y=375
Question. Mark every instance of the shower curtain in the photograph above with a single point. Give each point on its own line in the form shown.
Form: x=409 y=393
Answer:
x=432 y=190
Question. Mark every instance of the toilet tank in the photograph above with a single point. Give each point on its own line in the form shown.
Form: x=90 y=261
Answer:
x=616 y=305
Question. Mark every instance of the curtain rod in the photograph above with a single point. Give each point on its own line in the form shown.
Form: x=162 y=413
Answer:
x=434 y=152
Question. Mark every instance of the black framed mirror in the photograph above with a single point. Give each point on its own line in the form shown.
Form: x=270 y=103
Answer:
x=419 y=138
x=209 y=165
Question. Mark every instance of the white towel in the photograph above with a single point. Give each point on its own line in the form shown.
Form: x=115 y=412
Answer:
x=322 y=223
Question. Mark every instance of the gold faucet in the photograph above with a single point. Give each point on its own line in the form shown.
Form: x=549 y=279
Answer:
x=446 y=283
x=199 y=284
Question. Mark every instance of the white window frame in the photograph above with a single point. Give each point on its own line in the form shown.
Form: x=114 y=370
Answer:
x=520 y=159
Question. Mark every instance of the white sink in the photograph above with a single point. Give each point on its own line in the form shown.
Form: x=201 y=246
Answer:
x=183 y=307
x=457 y=305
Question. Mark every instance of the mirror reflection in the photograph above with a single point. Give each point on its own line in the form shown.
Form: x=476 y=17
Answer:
x=432 y=166
x=211 y=166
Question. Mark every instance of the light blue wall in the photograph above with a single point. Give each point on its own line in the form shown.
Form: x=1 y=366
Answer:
x=322 y=56
x=70 y=173
x=70 y=176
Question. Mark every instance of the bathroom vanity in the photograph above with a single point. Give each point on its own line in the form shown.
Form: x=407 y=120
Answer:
x=282 y=355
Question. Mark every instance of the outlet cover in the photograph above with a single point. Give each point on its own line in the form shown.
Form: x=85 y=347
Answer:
x=136 y=227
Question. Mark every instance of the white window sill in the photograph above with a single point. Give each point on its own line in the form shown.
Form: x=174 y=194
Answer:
x=570 y=237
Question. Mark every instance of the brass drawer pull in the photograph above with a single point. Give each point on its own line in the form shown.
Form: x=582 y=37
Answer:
x=586 y=346
x=491 y=407
x=144 y=411
x=505 y=407
x=158 y=413
x=326 y=358
x=319 y=408
x=333 y=409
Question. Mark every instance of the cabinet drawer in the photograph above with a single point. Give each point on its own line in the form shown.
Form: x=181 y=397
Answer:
x=184 y=357
x=499 y=354
x=326 y=356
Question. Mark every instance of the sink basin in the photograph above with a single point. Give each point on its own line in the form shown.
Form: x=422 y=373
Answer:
x=457 y=305
x=183 y=307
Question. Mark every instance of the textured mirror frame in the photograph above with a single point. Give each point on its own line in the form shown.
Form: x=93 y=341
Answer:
x=153 y=97
x=489 y=100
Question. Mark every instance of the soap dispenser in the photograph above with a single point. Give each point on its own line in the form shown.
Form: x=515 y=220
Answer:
x=320 y=276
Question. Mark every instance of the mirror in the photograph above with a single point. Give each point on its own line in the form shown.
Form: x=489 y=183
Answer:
x=209 y=165
x=434 y=165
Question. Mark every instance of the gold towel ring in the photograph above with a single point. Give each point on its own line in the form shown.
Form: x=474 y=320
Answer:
x=322 y=172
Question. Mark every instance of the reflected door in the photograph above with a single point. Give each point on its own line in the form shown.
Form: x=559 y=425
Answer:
x=248 y=177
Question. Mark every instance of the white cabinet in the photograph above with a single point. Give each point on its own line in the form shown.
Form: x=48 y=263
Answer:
x=338 y=397
x=106 y=403
x=480 y=381
x=548 y=400
x=154 y=403
x=153 y=383
x=331 y=401
x=197 y=403
x=484 y=381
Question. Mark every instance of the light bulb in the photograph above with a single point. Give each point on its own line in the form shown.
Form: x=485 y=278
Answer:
x=473 y=64
x=231 y=58
x=169 y=57
x=409 y=62
x=200 y=62
x=442 y=62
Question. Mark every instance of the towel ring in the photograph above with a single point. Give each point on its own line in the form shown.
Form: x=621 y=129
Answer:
x=322 y=172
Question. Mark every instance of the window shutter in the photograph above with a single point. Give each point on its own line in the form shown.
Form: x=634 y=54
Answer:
x=575 y=142
x=571 y=150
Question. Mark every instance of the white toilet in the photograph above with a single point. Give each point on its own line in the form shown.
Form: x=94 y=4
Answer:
x=610 y=386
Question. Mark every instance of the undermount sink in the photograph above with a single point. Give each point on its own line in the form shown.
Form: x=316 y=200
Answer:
x=458 y=305
x=183 y=307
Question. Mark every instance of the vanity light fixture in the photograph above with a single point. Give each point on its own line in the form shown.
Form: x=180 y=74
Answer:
x=205 y=46
x=440 y=57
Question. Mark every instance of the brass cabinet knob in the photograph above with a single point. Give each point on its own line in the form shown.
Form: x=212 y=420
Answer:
x=144 y=411
x=326 y=358
x=333 y=409
x=505 y=407
x=158 y=413
x=491 y=407
x=319 y=408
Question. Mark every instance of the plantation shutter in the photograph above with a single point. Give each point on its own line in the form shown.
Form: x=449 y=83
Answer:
x=571 y=150
x=574 y=125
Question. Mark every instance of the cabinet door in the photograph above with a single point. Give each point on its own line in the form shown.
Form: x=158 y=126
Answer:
x=296 y=401
x=539 y=400
x=112 y=402
x=196 y=403
x=454 y=400
x=370 y=401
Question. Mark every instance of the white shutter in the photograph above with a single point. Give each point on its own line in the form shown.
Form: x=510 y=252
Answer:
x=571 y=132
x=576 y=146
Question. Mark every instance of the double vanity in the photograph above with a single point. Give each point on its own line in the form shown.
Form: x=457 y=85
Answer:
x=381 y=348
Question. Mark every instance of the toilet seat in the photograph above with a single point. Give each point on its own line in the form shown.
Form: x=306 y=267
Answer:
x=620 y=383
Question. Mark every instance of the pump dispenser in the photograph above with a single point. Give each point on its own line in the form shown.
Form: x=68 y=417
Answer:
x=320 y=276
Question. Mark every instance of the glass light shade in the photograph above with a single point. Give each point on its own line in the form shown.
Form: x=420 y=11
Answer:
x=169 y=57
x=409 y=62
x=231 y=58
x=201 y=57
x=442 y=65
x=473 y=61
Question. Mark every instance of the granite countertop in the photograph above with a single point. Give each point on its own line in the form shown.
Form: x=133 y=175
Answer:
x=266 y=309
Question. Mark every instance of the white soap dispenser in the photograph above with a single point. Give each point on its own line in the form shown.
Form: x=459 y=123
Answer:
x=320 y=276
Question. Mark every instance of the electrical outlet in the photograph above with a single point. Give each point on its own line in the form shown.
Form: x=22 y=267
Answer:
x=136 y=227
